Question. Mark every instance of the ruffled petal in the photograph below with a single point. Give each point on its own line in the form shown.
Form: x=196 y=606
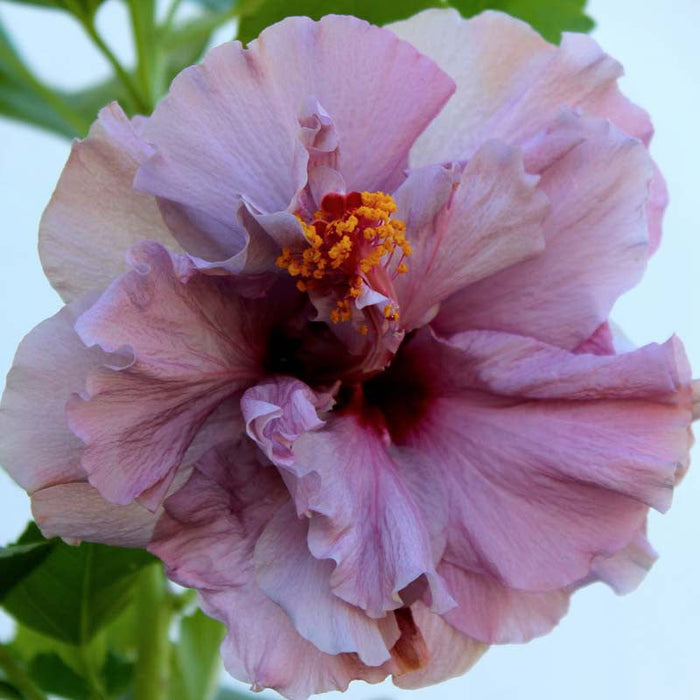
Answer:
x=236 y=120
x=300 y=584
x=37 y=448
x=496 y=614
x=95 y=216
x=459 y=235
x=263 y=648
x=366 y=518
x=626 y=569
x=77 y=512
x=194 y=342
x=450 y=652
x=363 y=513
x=206 y=538
x=548 y=471
x=597 y=181
x=511 y=83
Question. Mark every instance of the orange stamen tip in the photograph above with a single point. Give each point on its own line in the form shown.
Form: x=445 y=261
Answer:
x=349 y=236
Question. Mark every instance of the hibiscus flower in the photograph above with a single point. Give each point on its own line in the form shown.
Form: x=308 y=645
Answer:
x=335 y=344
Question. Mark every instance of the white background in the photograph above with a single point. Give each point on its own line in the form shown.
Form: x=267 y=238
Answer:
x=633 y=648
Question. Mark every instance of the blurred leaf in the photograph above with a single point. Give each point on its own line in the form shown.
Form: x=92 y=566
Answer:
x=231 y=694
x=196 y=659
x=549 y=17
x=260 y=14
x=28 y=644
x=76 y=591
x=23 y=98
x=118 y=674
x=9 y=692
x=216 y=5
x=52 y=675
x=89 y=7
x=20 y=559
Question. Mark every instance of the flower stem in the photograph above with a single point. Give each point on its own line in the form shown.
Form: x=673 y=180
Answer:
x=17 y=677
x=153 y=610
x=123 y=75
x=169 y=20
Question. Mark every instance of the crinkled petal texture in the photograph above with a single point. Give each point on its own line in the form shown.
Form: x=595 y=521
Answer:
x=232 y=532
x=193 y=343
x=357 y=501
x=95 y=215
x=51 y=363
x=246 y=115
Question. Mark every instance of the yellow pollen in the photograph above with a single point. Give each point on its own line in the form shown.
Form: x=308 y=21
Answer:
x=349 y=236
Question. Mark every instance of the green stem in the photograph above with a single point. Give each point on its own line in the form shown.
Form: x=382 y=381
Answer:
x=73 y=118
x=17 y=677
x=146 y=39
x=169 y=20
x=123 y=75
x=153 y=611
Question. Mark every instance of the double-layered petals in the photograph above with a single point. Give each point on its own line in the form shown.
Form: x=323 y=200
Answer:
x=372 y=455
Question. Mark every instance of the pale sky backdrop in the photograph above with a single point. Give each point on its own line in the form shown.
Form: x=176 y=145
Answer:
x=637 y=647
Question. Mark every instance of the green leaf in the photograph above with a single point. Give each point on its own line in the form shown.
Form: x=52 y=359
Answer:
x=549 y=17
x=26 y=99
x=84 y=7
x=51 y=674
x=76 y=591
x=216 y=5
x=9 y=692
x=118 y=674
x=196 y=659
x=258 y=15
x=231 y=694
x=20 y=559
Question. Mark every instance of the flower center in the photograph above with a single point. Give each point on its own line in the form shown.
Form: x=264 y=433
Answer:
x=351 y=238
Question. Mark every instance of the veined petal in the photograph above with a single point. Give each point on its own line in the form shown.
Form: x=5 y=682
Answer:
x=240 y=111
x=366 y=518
x=451 y=653
x=363 y=514
x=494 y=613
x=538 y=485
x=511 y=83
x=95 y=216
x=77 y=512
x=291 y=577
x=207 y=537
x=596 y=241
x=37 y=448
x=194 y=342
x=491 y=220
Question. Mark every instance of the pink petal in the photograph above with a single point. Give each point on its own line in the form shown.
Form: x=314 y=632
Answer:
x=278 y=411
x=263 y=648
x=539 y=486
x=194 y=342
x=510 y=82
x=95 y=216
x=367 y=518
x=626 y=569
x=363 y=513
x=77 y=512
x=451 y=653
x=490 y=221
x=597 y=181
x=494 y=613
x=236 y=118
x=206 y=539
x=51 y=363
x=300 y=585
